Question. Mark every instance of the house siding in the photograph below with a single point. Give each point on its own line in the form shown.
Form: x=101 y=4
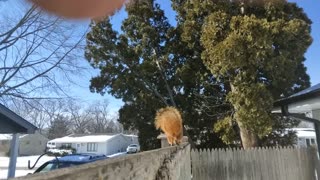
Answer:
x=316 y=114
x=4 y=147
x=119 y=144
x=115 y=145
x=32 y=144
x=81 y=147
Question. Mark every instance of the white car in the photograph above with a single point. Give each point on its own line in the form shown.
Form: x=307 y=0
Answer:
x=133 y=148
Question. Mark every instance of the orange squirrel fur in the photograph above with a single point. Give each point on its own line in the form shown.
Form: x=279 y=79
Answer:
x=170 y=122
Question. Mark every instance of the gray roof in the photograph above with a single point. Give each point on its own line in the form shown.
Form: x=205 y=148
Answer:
x=11 y=123
x=308 y=93
x=309 y=90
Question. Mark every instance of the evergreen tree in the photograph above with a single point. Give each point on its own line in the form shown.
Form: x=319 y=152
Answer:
x=258 y=48
x=59 y=127
x=149 y=67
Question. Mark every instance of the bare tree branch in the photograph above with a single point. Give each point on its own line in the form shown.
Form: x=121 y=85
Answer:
x=35 y=52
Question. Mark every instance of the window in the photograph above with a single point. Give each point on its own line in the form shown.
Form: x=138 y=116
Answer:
x=92 y=147
x=308 y=142
x=313 y=141
x=66 y=145
x=49 y=166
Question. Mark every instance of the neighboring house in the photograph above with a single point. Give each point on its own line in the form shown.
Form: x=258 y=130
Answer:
x=11 y=123
x=95 y=143
x=304 y=106
x=306 y=137
x=29 y=144
x=4 y=144
x=304 y=102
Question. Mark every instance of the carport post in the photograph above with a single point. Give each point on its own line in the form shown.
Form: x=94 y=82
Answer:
x=13 y=155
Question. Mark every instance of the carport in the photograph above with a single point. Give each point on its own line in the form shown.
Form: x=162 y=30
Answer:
x=11 y=123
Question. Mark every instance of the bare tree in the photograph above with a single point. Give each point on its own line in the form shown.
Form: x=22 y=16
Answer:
x=78 y=117
x=40 y=112
x=31 y=113
x=100 y=118
x=38 y=53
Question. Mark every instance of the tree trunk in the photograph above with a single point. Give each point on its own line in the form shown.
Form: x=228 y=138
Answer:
x=249 y=139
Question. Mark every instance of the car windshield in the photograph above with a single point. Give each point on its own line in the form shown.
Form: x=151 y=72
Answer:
x=53 y=165
x=133 y=145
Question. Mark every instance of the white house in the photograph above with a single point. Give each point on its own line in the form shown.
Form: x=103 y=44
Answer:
x=95 y=143
x=306 y=137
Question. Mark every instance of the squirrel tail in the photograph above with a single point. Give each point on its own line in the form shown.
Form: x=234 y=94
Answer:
x=167 y=114
x=170 y=122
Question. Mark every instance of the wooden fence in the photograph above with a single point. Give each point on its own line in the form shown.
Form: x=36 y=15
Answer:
x=254 y=164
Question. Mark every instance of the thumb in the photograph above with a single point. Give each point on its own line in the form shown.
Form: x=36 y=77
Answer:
x=78 y=9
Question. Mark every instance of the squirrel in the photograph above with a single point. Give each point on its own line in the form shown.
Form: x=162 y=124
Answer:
x=170 y=122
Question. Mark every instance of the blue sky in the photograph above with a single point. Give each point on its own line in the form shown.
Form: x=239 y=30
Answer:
x=312 y=63
x=311 y=7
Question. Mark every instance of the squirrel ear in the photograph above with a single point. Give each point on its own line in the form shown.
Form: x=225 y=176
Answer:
x=80 y=8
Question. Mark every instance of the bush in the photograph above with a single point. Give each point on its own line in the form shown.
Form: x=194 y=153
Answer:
x=49 y=153
x=60 y=152
x=64 y=153
x=56 y=154
x=73 y=150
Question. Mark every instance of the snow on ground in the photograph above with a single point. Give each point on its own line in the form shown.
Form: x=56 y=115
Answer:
x=22 y=162
x=4 y=173
x=22 y=165
x=117 y=154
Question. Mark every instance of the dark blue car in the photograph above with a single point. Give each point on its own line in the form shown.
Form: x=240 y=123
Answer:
x=69 y=161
